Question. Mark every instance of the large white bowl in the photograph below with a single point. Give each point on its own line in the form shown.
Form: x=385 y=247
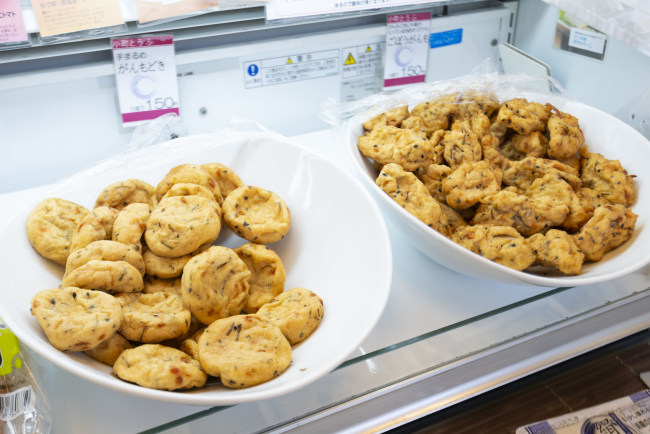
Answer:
x=338 y=246
x=604 y=134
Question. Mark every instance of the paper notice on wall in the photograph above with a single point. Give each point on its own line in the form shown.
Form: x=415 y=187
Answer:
x=145 y=71
x=12 y=26
x=283 y=9
x=362 y=68
x=154 y=10
x=57 y=17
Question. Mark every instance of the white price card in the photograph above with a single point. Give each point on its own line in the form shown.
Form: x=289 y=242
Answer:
x=407 y=49
x=145 y=70
x=587 y=40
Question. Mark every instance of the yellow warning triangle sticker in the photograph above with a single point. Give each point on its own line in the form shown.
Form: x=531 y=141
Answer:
x=368 y=50
x=350 y=60
x=289 y=60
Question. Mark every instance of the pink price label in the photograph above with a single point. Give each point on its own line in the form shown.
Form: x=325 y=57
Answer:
x=12 y=26
x=146 y=41
x=405 y=18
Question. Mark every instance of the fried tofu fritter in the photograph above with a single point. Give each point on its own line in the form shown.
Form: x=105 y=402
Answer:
x=527 y=215
x=408 y=148
x=565 y=135
x=557 y=249
x=524 y=117
x=461 y=144
x=610 y=226
x=522 y=173
x=501 y=244
x=432 y=177
x=470 y=182
x=392 y=117
x=607 y=177
x=409 y=192
x=436 y=113
x=552 y=185
x=521 y=146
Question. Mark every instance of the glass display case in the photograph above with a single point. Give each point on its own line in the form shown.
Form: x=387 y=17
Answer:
x=443 y=337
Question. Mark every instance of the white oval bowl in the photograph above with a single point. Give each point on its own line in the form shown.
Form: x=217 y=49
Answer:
x=334 y=223
x=604 y=134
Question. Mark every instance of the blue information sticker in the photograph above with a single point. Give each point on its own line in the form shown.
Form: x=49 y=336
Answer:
x=449 y=37
x=252 y=70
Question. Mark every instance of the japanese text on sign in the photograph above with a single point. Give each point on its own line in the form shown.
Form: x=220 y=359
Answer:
x=67 y=16
x=12 y=26
x=289 y=68
x=282 y=9
x=587 y=40
x=146 y=77
x=407 y=49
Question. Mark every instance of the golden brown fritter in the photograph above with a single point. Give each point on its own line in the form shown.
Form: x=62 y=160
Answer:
x=608 y=177
x=414 y=123
x=523 y=173
x=554 y=186
x=432 y=177
x=461 y=144
x=524 y=117
x=454 y=217
x=591 y=199
x=500 y=131
x=501 y=244
x=488 y=103
x=470 y=182
x=395 y=145
x=574 y=161
x=409 y=192
x=557 y=249
x=611 y=226
x=527 y=215
x=565 y=135
x=492 y=152
x=472 y=113
x=435 y=113
x=393 y=117
x=521 y=146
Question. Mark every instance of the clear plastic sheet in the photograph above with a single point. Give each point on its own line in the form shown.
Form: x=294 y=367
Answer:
x=625 y=20
x=482 y=80
x=24 y=406
x=161 y=129
x=158 y=135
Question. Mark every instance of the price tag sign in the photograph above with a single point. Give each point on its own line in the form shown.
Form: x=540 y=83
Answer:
x=407 y=49
x=12 y=26
x=145 y=70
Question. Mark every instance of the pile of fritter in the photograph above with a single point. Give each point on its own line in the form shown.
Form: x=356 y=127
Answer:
x=513 y=181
